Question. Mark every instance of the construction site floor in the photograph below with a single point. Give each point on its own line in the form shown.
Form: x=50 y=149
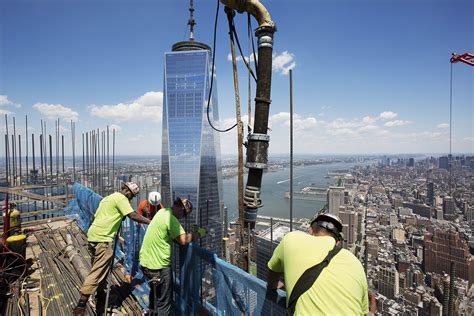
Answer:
x=50 y=285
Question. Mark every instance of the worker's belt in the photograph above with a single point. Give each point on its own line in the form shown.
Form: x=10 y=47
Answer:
x=153 y=274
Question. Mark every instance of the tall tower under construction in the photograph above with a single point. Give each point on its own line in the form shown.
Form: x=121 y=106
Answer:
x=191 y=162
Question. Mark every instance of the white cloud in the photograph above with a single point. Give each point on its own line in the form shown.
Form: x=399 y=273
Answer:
x=396 y=123
x=443 y=125
x=147 y=107
x=5 y=112
x=54 y=111
x=368 y=120
x=239 y=58
x=282 y=63
x=387 y=115
x=5 y=101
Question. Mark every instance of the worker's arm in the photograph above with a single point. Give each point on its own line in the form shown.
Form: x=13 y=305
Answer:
x=184 y=239
x=275 y=267
x=273 y=280
x=134 y=216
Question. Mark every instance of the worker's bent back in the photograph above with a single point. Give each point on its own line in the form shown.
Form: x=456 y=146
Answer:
x=341 y=288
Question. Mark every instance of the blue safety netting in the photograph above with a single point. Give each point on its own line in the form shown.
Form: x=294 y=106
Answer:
x=201 y=279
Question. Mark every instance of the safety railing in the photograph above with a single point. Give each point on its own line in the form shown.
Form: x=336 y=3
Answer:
x=202 y=281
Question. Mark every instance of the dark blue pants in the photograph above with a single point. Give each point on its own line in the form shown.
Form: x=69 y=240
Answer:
x=160 y=283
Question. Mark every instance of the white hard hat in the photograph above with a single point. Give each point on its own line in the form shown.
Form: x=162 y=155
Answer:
x=154 y=198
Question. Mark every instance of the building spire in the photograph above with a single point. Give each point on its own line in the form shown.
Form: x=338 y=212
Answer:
x=191 y=21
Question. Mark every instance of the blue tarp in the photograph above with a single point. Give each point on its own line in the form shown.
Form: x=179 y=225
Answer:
x=201 y=278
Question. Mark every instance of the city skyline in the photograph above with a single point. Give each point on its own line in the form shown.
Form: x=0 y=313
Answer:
x=371 y=79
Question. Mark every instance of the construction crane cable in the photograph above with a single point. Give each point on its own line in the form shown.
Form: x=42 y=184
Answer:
x=240 y=50
x=212 y=76
x=249 y=21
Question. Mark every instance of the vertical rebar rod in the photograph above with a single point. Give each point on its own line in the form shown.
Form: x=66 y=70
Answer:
x=7 y=151
x=45 y=145
x=6 y=161
x=51 y=157
x=56 y=132
x=291 y=150
x=15 y=161
x=41 y=156
x=62 y=155
x=19 y=154
x=87 y=153
x=26 y=140
x=33 y=152
x=73 y=142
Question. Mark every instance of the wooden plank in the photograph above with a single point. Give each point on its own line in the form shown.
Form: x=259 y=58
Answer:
x=33 y=196
x=24 y=201
x=39 y=186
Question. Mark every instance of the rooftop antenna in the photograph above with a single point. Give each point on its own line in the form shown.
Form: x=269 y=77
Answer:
x=191 y=21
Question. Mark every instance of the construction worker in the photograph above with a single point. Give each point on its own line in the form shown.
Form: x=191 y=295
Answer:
x=341 y=286
x=155 y=253
x=150 y=206
x=108 y=217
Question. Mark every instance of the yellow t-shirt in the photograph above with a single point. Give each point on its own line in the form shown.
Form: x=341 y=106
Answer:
x=155 y=252
x=341 y=288
x=108 y=216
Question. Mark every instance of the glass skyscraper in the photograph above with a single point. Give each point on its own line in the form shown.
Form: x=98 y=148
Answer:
x=191 y=165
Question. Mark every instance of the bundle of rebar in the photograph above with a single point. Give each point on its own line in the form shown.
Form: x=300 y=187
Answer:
x=61 y=279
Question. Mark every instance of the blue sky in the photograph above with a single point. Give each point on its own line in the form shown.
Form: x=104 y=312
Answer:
x=369 y=76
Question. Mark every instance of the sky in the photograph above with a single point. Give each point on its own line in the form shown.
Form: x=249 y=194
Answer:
x=369 y=77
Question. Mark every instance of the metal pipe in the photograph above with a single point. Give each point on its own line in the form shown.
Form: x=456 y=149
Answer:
x=291 y=150
x=257 y=146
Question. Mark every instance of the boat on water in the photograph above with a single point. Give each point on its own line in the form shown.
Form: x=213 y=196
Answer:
x=309 y=193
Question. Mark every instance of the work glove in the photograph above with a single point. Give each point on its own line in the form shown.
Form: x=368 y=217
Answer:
x=199 y=231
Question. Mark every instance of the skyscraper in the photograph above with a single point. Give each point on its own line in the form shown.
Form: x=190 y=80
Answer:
x=191 y=166
x=335 y=199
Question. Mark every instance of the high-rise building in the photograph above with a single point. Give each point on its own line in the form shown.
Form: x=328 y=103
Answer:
x=349 y=225
x=411 y=162
x=267 y=241
x=335 y=199
x=388 y=282
x=191 y=166
x=444 y=247
x=443 y=163
x=430 y=193
x=449 y=207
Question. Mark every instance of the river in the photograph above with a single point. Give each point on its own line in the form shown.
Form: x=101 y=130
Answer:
x=276 y=183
